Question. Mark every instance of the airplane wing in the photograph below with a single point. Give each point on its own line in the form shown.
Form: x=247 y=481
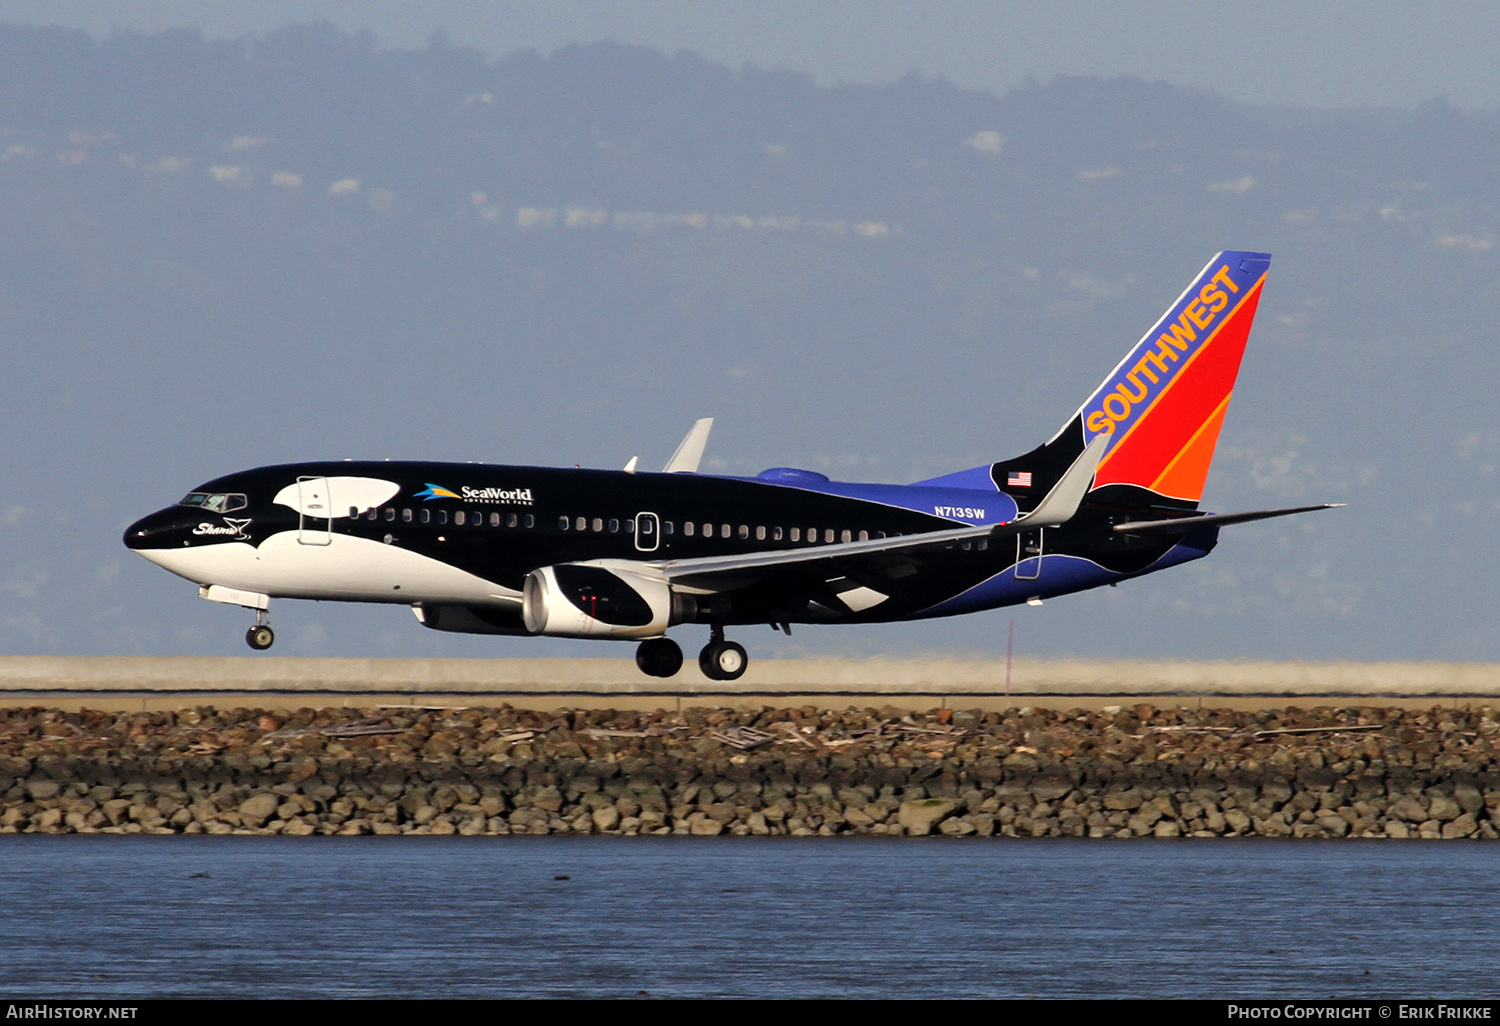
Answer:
x=1057 y=507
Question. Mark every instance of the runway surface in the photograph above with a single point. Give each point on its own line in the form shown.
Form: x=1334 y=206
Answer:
x=173 y=682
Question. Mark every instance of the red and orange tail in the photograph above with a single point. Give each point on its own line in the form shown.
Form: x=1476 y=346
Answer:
x=1163 y=405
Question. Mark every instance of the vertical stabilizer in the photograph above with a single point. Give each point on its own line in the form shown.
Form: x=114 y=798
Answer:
x=1165 y=402
x=1162 y=406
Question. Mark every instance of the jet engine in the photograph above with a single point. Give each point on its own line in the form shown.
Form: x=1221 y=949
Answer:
x=591 y=601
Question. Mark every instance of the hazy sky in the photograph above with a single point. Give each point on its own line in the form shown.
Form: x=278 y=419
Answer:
x=1308 y=53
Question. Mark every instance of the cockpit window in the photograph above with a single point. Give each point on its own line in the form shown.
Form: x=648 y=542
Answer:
x=215 y=502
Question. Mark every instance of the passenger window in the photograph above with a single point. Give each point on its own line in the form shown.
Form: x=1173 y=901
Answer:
x=666 y=527
x=598 y=524
x=425 y=516
x=744 y=532
x=723 y=530
x=353 y=512
x=458 y=518
x=370 y=513
x=442 y=516
x=510 y=520
x=614 y=526
x=776 y=534
x=796 y=534
x=494 y=519
x=846 y=536
x=828 y=534
x=390 y=514
x=984 y=543
x=562 y=523
x=582 y=523
x=864 y=536
x=406 y=516
x=760 y=533
x=530 y=520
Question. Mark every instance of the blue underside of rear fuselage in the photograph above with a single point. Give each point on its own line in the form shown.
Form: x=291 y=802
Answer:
x=1055 y=574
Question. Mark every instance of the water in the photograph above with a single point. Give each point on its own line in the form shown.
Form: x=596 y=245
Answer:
x=117 y=917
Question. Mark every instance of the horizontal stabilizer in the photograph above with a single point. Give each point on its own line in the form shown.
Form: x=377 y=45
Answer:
x=688 y=455
x=1184 y=524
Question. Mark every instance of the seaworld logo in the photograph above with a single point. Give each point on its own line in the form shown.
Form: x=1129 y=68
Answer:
x=517 y=496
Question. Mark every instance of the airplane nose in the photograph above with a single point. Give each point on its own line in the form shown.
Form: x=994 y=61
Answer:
x=159 y=530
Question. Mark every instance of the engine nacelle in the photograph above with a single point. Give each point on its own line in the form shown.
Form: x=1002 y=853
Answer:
x=581 y=600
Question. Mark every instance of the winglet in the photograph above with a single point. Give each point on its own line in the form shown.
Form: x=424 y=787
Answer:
x=690 y=452
x=630 y=467
x=1065 y=497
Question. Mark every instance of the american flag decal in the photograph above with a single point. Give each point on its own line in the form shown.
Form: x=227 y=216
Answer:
x=1018 y=479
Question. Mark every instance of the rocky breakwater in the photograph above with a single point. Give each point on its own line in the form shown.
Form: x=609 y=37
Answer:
x=1128 y=772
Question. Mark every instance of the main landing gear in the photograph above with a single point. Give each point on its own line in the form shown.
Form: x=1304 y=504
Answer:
x=659 y=657
x=260 y=637
x=719 y=660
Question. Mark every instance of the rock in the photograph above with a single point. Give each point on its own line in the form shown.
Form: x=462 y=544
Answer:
x=917 y=818
x=1335 y=825
x=606 y=818
x=1462 y=826
x=43 y=790
x=256 y=810
x=702 y=826
x=1443 y=808
x=1409 y=809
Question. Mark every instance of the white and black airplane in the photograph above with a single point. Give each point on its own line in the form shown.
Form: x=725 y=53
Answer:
x=486 y=549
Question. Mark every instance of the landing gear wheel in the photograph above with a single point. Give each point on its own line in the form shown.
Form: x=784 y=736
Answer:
x=659 y=657
x=723 y=660
x=260 y=637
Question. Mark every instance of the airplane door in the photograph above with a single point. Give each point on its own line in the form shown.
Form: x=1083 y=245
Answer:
x=647 y=532
x=1029 y=555
x=313 y=504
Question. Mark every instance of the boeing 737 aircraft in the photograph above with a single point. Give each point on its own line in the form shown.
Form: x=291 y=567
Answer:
x=627 y=555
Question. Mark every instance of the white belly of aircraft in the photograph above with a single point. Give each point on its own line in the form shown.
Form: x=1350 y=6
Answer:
x=344 y=569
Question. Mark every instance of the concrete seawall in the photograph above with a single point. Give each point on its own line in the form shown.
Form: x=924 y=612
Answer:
x=177 y=682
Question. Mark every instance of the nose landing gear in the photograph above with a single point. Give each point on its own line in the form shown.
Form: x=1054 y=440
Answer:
x=260 y=637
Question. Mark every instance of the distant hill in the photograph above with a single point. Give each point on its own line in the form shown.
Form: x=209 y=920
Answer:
x=218 y=254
